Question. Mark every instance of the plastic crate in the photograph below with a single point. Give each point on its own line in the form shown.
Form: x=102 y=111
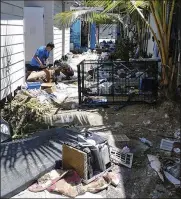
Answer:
x=33 y=85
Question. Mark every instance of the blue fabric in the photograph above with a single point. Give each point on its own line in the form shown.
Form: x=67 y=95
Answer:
x=75 y=34
x=156 y=53
x=118 y=31
x=42 y=54
x=137 y=53
x=93 y=36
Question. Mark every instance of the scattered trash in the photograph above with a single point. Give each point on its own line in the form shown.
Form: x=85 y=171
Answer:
x=47 y=180
x=172 y=179
x=121 y=138
x=156 y=165
x=95 y=101
x=63 y=183
x=177 y=134
x=176 y=150
x=144 y=140
x=98 y=185
x=138 y=148
x=146 y=122
x=113 y=177
x=43 y=99
x=118 y=124
x=69 y=186
x=120 y=158
x=172 y=167
x=125 y=150
x=5 y=131
x=69 y=183
x=166 y=145
x=65 y=119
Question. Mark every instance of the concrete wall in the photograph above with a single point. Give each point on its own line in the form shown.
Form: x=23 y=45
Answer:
x=57 y=32
x=48 y=20
x=12 y=47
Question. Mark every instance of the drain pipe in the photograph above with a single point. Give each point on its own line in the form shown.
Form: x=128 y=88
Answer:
x=63 y=31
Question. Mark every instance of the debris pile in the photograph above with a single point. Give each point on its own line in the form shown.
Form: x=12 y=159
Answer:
x=26 y=111
x=73 y=180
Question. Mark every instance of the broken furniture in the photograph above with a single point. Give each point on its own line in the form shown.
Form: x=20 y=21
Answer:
x=89 y=156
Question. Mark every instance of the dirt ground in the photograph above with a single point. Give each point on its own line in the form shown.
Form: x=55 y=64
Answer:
x=152 y=122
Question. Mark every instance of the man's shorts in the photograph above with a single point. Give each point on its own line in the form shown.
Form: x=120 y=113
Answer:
x=32 y=68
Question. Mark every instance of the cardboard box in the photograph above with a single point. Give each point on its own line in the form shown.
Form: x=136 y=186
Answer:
x=47 y=85
x=50 y=90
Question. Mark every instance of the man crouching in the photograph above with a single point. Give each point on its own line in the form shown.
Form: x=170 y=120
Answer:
x=60 y=71
x=65 y=69
x=38 y=62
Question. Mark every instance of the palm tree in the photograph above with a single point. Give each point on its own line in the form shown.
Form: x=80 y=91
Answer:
x=162 y=12
x=115 y=10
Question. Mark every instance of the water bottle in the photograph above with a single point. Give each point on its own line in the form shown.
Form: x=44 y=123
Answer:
x=144 y=140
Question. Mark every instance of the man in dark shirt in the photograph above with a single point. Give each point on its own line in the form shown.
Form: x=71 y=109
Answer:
x=65 y=68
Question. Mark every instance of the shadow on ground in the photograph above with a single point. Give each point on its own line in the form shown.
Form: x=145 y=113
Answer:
x=25 y=160
x=22 y=161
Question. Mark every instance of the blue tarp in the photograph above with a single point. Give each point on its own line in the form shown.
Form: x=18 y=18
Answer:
x=92 y=36
x=75 y=34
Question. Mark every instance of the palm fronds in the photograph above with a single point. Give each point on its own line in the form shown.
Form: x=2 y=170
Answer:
x=65 y=19
x=92 y=14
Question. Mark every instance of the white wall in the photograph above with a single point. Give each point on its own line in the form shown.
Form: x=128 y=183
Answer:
x=61 y=38
x=12 y=47
x=66 y=48
x=48 y=20
x=67 y=41
x=34 y=33
x=57 y=33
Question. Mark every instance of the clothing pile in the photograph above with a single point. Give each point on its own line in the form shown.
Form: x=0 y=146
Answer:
x=68 y=183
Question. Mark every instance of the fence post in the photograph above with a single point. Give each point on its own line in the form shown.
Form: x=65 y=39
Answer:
x=79 y=83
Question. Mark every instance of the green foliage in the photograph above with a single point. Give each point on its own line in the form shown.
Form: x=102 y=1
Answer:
x=124 y=49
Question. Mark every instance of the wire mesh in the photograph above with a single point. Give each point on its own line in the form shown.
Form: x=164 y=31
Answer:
x=112 y=82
